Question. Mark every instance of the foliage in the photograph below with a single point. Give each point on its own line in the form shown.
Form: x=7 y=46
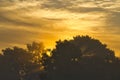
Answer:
x=80 y=58
x=18 y=63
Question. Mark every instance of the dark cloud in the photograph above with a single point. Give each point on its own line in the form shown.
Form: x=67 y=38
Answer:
x=6 y=3
x=86 y=9
x=56 y=4
x=72 y=6
x=17 y=17
x=14 y=17
x=79 y=5
x=13 y=21
x=113 y=19
x=111 y=23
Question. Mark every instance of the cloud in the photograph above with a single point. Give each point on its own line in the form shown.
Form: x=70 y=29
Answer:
x=14 y=37
x=69 y=5
x=16 y=25
x=111 y=5
x=110 y=23
x=72 y=6
x=84 y=6
x=4 y=19
x=25 y=21
x=17 y=28
x=13 y=12
x=113 y=19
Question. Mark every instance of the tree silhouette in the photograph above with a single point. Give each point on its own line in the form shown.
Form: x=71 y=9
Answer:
x=81 y=58
x=93 y=48
x=18 y=63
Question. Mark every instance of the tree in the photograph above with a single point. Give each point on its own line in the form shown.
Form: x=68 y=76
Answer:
x=66 y=54
x=93 y=48
x=37 y=49
x=36 y=70
x=15 y=59
x=18 y=63
x=80 y=58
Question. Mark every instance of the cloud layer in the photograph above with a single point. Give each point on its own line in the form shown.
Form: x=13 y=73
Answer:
x=50 y=20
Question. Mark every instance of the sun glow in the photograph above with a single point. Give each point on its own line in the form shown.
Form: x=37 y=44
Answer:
x=48 y=21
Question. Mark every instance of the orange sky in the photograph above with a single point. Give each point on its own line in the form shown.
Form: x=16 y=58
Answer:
x=22 y=22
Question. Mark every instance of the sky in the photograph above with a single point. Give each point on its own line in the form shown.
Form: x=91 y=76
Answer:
x=25 y=21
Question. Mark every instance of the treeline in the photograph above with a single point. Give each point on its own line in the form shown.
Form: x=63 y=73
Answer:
x=81 y=58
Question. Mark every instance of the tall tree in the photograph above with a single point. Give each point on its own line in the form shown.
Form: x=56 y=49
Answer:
x=80 y=58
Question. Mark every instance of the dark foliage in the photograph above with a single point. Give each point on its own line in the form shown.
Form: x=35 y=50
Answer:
x=81 y=58
x=18 y=64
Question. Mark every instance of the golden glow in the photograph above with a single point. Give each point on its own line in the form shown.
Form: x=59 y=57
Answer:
x=31 y=22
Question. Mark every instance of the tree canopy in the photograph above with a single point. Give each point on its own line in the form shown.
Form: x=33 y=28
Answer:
x=18 y=63
x=82 y=48
x=80 y=58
